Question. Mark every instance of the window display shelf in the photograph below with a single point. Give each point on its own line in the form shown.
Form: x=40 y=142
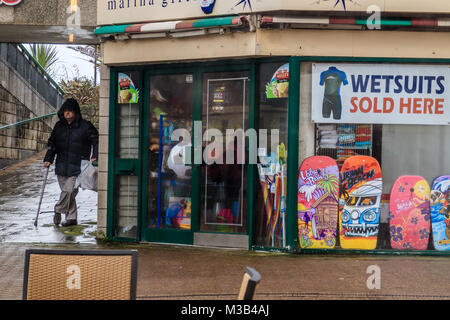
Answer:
x=351 y=148
x=357 y=140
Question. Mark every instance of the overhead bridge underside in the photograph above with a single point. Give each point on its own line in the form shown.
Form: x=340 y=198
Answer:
x=49 y=22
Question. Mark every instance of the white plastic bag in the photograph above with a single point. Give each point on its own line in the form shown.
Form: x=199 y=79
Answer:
x=87 y=179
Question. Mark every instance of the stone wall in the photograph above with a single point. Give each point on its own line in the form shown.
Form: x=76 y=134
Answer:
x=20 y=101
x=22 y=141
x=103 y=151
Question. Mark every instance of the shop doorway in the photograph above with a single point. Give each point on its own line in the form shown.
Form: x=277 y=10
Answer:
x=168 y=174
x=185 y=200
x=225 y=111
x=172 y=181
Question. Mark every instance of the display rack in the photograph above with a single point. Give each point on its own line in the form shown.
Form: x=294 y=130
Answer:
x=341 y=141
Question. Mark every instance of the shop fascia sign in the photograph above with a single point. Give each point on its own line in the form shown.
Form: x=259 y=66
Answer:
x=129 y=11
x=381 y=93
x=10 y=2
x=124 y=11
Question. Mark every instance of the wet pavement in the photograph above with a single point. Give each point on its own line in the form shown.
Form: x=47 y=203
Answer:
x=174 y=272
x=20 y=187
x=169 y=272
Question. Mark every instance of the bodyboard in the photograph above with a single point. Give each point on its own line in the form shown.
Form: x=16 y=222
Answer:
x=318 y=194
x=409 y=213
x=360 y=203
x=440 y=213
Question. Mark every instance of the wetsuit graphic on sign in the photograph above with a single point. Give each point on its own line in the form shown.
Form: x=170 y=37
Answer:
x=207 y=5
x=332 y=78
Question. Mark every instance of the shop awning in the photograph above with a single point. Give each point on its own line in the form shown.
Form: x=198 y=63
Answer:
x=171 y=26
x=405 y=22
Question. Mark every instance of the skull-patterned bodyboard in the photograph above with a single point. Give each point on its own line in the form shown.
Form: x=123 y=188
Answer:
x=360 y=203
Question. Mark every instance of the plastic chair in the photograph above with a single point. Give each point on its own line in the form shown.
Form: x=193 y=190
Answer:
x=249 y=283
x=80 y=275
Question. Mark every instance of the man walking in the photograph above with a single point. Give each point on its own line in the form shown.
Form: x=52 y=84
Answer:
x=73 y=139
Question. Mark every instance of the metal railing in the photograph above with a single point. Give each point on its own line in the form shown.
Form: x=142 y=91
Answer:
x=17 y=56
x=27 y=120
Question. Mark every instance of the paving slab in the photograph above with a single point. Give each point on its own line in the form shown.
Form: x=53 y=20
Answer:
x=175 y=272
x=170 y=272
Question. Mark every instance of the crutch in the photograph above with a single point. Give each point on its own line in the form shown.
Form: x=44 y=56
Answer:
x=42 y=194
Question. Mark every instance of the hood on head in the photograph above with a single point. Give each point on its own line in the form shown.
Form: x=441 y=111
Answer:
x=70 y=104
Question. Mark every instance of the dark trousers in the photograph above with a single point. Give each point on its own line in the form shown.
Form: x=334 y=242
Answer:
x=332 y=103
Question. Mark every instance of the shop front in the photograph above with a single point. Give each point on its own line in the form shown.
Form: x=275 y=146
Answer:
x=207 y=122
x=182 y=137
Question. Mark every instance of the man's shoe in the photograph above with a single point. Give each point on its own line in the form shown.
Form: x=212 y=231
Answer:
x=57 y=218
x=69 y=223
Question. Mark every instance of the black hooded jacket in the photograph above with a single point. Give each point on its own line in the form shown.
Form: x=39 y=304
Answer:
x=71 y=143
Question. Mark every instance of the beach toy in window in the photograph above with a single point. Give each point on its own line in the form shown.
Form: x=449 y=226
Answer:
x=177 y=160
x=127 y=92
x=178 y=214
x=277 y=232
x=278 y=87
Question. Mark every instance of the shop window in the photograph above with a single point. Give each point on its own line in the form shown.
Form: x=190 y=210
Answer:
x=126 y=210
x=126 y=153
x=270 y=201
x=169 y=186
x=394 y=113
x=127 y=115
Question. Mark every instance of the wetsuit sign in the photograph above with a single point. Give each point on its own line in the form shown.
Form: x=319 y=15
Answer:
x=381 y=93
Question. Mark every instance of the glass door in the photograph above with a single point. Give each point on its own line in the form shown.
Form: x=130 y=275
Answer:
x=168 y=170
x=224 y=170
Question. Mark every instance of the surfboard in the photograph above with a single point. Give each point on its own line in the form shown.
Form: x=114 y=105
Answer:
x=276 y=224
x=440 y=213
x=409 y=213
x=318 y=194
x=267 y=172
x=360 y=203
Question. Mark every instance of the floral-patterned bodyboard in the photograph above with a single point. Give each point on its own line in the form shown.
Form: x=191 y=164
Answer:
x=409 y=213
